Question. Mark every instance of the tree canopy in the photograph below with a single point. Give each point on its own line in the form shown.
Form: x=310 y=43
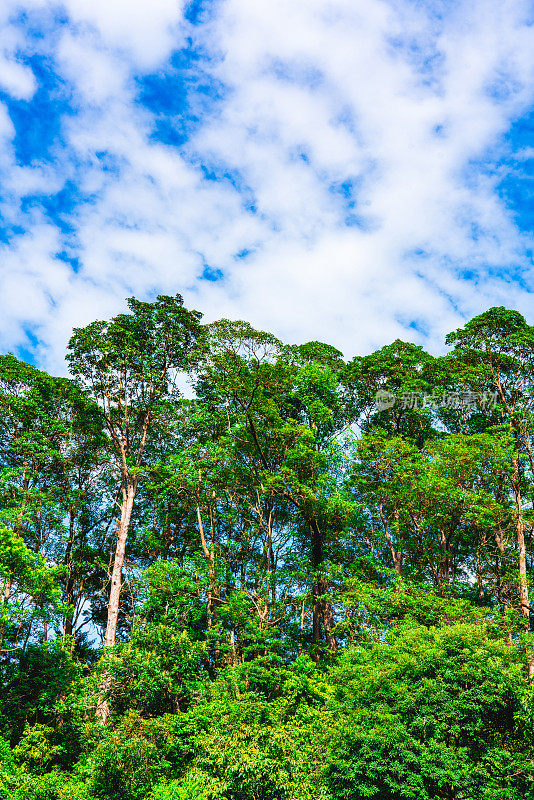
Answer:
x=308 y=578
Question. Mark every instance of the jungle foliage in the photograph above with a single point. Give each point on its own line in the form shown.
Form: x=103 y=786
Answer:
x=305 y=578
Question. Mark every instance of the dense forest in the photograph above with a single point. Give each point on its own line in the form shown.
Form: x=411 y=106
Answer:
x=236 y=569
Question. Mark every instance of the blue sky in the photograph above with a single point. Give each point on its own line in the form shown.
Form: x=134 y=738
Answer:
x=350 y=170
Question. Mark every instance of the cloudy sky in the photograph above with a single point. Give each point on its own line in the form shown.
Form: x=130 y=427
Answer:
x=349 y=170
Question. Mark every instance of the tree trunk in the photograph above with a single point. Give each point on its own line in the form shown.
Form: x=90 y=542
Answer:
x=213 y=589
x=503 y=588
x=322 y=615
x=234 y=658
x=209 y=554
x=444 y=565
x=522 y=557
x=396 y=553
x=316 y=559
x=128 y=497
x=6 y=591
x=328 y=616
x=116 y=575
x=480 y=583
x=68 y=627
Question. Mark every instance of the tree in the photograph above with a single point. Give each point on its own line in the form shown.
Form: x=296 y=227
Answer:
x=387 y=390
x=128 y=366
x=283 y=408
x=39 y=414
x=314 y=577
x=495 y=353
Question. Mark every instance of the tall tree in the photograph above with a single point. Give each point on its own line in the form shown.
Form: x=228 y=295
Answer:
x=283 y=409
x=495 y=353
x=37 y=415
x=388 y=390
x=128 y=365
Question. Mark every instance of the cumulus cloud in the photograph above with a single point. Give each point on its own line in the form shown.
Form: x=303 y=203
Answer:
x=145 y=32
x=406 y=101
x=335 y=164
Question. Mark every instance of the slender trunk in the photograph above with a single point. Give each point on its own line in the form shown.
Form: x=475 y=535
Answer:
x=503 y=588
x=272 y=573
x=397 y=562
x=479 y=575
x=396 y=554
x=213 y=588
x=271 y=580
x=128 y=497
x=302 y=615
x=322 y=615
x=522 y=557
x=316 y=559
x=209 y=555
x=6 y=592
x=444 y=566
x=328 y=616
x=68 y=627
x=120 y=551
x=234 y=659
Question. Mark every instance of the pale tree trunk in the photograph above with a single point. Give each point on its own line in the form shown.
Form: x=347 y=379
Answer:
x=444 y=565
x=317 y=605
x=68 y=627
x=209 y=555
x=328 y=616
x=128 y=497
x=480 y=583
x=116 y=575
x=6 y=591
x=396 y=553
x=234 y=658
x=213 y=590
x=503 y=588
x=522 y=557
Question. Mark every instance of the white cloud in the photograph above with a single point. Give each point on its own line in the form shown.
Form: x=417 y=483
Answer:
x=413 y=191
x=16 y=79
x=146 y=30
x=388 y=100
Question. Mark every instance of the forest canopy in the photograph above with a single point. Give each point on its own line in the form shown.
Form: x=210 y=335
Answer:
x=309 y=577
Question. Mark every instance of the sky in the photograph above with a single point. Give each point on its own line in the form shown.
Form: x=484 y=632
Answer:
x=352 y=171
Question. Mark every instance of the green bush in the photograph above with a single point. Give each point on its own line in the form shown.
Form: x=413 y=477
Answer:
x=157 y=672
x=133 y=757
x=434 y=713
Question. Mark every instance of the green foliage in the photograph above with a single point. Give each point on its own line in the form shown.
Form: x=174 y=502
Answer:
x=319 y=595
x=35 y=750
x=191 y=788
x=35 y=686
x=433 y=713
x=133 y=757
x=158 y=671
